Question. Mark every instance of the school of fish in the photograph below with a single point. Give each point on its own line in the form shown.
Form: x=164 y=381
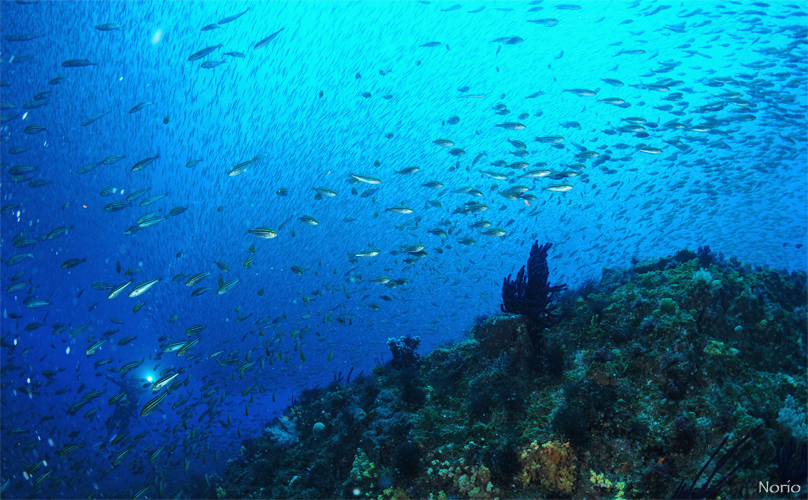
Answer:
x=222 y=214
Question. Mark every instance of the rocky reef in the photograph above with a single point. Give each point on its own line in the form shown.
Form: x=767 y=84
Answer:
x=654 y=371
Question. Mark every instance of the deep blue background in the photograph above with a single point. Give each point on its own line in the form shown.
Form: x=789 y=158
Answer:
x=739 y=188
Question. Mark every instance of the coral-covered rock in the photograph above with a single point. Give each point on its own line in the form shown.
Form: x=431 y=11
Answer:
x=656 y=365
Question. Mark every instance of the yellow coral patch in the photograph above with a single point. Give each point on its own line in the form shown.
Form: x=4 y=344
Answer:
x=551 y=465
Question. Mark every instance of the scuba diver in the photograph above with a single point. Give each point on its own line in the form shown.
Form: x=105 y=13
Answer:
x=125 y=409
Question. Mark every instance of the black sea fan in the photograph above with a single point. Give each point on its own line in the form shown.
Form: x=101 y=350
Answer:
x=532 y=294
x=709 y=489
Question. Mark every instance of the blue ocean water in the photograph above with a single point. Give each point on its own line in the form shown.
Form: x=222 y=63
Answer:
x=613 y=130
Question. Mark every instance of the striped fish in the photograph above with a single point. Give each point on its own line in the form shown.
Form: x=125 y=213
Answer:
x=143 y=287
x=144 y=163
x=226 y=287
x=366 y=179
x=94 y=347
x=116 y=290
x=263 y=232
x=196 y=278
x=69 y=448
x=116 y=206
x=152 y=406
x=188 y=345
x=174 y=346
x=119 y=458
x=163 y=381
x=193 y=330
x=155 y=454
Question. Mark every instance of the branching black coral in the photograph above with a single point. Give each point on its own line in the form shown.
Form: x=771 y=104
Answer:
x=707 y=488
x=531 y=294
